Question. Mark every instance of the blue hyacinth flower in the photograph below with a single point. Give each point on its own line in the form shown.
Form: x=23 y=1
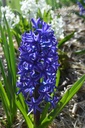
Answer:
x=38 y=64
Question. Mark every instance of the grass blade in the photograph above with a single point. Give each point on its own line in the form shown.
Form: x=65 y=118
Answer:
x=80 y=52
x=68 y=37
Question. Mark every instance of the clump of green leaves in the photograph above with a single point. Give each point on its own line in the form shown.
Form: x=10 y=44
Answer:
x=8 y=85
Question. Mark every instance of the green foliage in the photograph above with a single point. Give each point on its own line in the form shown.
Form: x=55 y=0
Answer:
x=10 y=78
x=63 y=58
x=61 y=3
x=23 y=111
x=6 y=103
x=52 y=3
x=8 y=88
x=14 y=4
x=46 y=16
x=80 y=52
x=58 y=77
x=63 y=41
x=0 y=3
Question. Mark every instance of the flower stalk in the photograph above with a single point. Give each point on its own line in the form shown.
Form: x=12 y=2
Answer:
x=37 y=114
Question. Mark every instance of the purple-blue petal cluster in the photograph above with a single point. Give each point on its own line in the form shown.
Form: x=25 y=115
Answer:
x=38 y=64
x=81 y=8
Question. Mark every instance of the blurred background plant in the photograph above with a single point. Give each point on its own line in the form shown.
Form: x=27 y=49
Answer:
x=55 y=4
x=81 y=5
x=20 y=20
x=81 y=14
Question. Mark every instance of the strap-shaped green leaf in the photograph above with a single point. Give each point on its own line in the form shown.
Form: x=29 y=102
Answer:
x=5 y=80
x=3 y=72
x=57 y=77
x=5 y=46
x=20 y=97
x=80 y=52
x=6 y=103
x=68 y=37
x=10 y=75
x=27 y=119
x=44 y=113
x=11 y=52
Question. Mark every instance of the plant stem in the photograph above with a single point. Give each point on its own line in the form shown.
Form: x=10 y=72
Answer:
x=4 y=3
x=37 y=118
x=37 y=114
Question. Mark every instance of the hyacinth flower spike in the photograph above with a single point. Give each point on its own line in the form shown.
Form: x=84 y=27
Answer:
x=38 y=64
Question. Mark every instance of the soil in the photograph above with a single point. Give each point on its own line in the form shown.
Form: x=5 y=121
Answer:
x=73 y=115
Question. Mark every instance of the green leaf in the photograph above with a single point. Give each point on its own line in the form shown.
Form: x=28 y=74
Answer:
x=68 y=37
x=43 y=115
x=27 y=119
x=12 y=53
x=63 y=102
x=58 y=77
x=80 y=52
x=14 y=4
x=6 y=103
x=22 y=101
x=3 y=72
x=10 y=75
x=52 y=3
x=0 y=40
x=5 y=80
x=17 y=36
x=5 y=46
x=39 y=14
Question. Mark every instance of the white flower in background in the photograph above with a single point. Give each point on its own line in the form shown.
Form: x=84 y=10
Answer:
x=12 y=19
x=43 y=6
x=57 y=24
x=29 y=9
x=57 y=1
